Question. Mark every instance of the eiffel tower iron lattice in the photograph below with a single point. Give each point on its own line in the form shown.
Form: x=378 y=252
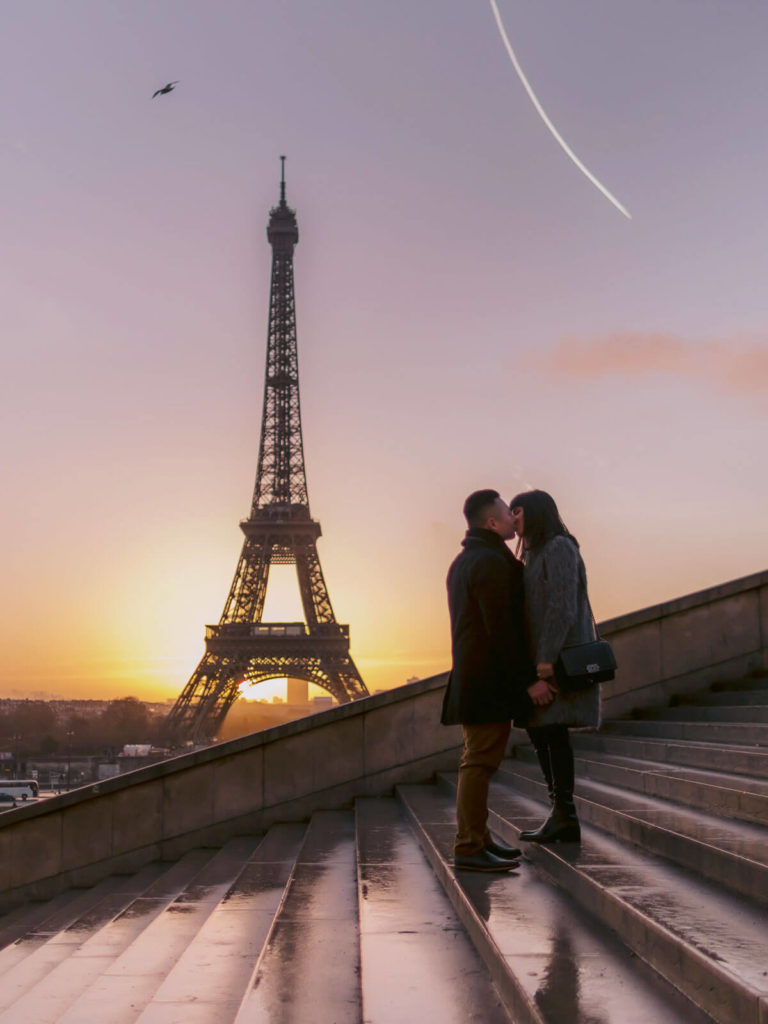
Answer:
x=279 y=531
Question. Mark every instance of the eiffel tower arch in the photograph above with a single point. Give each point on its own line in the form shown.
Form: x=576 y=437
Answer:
x=280 y=530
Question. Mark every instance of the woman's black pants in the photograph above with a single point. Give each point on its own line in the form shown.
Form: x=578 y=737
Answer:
x=553 y=749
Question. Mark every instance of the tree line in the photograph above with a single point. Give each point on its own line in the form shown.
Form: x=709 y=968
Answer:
x=34 y=728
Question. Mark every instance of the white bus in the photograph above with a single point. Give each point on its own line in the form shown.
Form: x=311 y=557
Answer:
x=19 y=788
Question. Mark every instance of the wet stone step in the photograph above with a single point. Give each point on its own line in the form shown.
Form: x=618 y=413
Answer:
x=417 y=962
x=207 y=984
x=731 y=853
x=27 y=927
x=79 y=963
x=710 y=732
x=552 y=962
x=155 y=931
x=754 y=713
x=28 y=917
x=728 y=697
x=119 y=934
x=726 y=780
x=755 y=681
x=36 y=955
x=735 y=796
x=309 y=969
x=706 y=941
x=735 y=760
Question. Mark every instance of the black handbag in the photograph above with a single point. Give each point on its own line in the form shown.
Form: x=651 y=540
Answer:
x=581 y=666
x=584 y=665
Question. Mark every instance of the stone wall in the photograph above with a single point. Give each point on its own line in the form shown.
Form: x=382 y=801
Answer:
x=363 y=748
x=684 y=645
x=234 y=788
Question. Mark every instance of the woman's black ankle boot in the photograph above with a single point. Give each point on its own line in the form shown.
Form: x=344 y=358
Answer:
x=542 y=753
x=562 y=826
x=553 y=748
x=531 y=835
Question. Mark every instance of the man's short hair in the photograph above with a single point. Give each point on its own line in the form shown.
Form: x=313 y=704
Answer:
x=476 y=507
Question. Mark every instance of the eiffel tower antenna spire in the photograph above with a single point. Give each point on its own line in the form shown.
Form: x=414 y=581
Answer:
x=279 y=530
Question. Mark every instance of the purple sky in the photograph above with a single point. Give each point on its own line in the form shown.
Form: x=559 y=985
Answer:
x=471 y=311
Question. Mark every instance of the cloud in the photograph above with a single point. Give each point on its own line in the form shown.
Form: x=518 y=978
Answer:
x=737 y=366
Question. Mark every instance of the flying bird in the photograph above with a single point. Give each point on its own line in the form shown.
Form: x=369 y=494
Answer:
x=544 y=117
x=165 y=89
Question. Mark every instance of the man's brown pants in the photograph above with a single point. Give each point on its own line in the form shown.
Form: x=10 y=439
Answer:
x=484 y=747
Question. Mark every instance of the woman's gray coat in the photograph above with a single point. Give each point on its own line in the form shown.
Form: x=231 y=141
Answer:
x=558 y=614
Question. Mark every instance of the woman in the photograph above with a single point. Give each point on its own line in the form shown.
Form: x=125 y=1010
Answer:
x=558 y=614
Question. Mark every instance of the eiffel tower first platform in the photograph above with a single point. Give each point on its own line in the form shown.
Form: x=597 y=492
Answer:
x=279 y=531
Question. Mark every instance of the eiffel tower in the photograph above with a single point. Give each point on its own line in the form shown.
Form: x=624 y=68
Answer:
x=279 y=531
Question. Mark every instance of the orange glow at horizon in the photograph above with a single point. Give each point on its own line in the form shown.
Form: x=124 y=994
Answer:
x=148 y=642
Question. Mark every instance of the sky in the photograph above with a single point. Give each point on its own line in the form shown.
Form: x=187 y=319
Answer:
x=471 y=311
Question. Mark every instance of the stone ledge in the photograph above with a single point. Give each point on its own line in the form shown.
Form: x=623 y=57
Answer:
x=218 y=751
x=215 y=835
x=358 y=749
x=239 y=787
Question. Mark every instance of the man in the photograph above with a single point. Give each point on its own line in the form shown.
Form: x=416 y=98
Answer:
x=493 y=678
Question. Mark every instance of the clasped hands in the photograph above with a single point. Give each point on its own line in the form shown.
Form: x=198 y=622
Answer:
x=544 y=690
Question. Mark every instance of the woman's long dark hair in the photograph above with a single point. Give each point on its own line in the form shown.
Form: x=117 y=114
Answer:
x=541 y=519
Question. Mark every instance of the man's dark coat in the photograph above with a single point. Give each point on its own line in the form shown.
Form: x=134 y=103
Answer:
x=491 y=664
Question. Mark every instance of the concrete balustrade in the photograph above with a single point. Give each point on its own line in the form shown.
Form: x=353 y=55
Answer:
x=684 y=645
x=234 y=788
x=359 y=749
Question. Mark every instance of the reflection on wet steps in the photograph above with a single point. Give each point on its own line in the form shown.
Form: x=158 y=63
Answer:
x=730 y=852
x=552 y=961
x=358 y=915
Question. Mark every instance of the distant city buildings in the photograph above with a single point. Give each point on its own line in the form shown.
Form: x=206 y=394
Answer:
x=60 y=707
x=69 y=743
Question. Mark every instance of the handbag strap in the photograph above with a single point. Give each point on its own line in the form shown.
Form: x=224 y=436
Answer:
x=583 y=579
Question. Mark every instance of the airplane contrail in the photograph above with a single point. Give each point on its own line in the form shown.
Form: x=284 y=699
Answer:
x=543 y=114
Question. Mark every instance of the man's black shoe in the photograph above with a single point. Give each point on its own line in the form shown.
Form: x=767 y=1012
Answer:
x=483 y=861
x=504 y=852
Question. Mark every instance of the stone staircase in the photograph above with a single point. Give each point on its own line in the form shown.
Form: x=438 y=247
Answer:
x=358 y=916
